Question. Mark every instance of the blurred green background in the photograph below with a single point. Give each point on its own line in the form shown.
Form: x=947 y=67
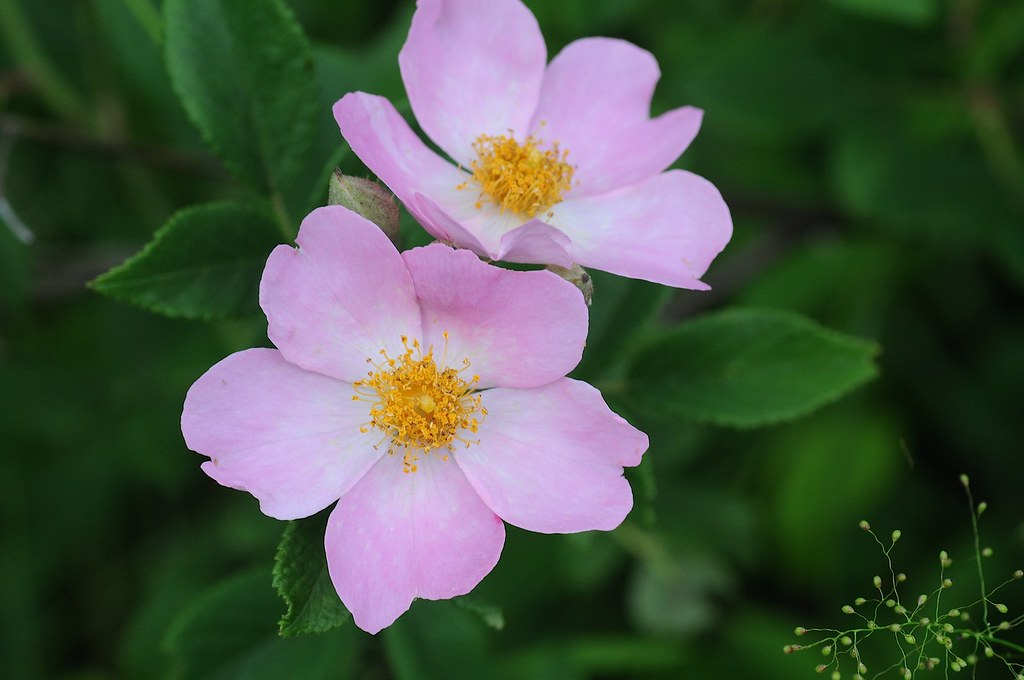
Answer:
x=870 y=151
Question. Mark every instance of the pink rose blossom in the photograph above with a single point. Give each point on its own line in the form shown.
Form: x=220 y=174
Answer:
x=554 y=164
x=425 y=392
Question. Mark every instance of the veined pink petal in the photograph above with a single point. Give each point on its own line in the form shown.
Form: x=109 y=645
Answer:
x=396 y=536
x=666 y=229
x=472 y=68
x=287 y=436
x=339 y=298
x=382 y=139
x=550 y=459
x=536 y=241
x=595 y=102
x=518 y=329
x=450 y=230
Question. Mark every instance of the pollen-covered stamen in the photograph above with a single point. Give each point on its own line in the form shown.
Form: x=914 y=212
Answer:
x=419 y=406
x=520 y=178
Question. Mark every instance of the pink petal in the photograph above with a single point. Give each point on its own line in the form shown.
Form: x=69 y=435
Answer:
x=595 y=103
x=518 y=329
x=429 y=188
x=448 y=229
x=287 y=436
x=339 y=298
x=666 y=229
x=536 y=242
x=396 y=536
x=550 y=459
x=472 y=68
x=386 y=144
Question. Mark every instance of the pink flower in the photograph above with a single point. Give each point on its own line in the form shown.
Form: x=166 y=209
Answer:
x=425 y=392
x=553 y=165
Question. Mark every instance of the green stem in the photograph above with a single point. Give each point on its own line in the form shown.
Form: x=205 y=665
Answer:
x=59 y=95
x=977 y=552
x=281 y=215
x=1004 y=643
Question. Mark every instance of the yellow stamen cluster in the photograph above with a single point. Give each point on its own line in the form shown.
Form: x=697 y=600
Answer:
x=417 y=405
x=520 y=178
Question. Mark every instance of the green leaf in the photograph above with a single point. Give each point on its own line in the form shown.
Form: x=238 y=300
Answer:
x=622 y=310
x=244 y=73
x=438 y=641
x=748 y=367
x=228 y=633
x=205 y=262
x=302 y=580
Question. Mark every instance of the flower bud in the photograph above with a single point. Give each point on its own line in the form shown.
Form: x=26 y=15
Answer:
x=847 y=609
x=1001 y=607
x=896 y=535
x=864 y=525
x=982 y=507
x=986 y=552
x=577 y=276
x=367 y=198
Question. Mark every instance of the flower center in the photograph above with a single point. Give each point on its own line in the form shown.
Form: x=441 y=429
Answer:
x=419 y=406
x=520 y=178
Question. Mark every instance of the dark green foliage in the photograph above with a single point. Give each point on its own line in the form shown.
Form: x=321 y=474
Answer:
x=204 y=263
x=872 y=154
x=302 y=580
x=747 y=367
x=227 y=633
x=243 y=71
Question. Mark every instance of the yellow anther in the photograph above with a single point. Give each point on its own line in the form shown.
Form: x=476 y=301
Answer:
x=520 y=178
x=419 y=406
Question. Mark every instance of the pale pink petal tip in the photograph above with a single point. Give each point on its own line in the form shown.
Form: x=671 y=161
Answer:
x=287 y=436
x=397 y=536
x=550 y=459
x=472 y=68
x=517 y=329
x=340 y=297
